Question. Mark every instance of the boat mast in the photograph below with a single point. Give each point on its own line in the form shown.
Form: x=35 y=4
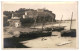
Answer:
x=43 y=23
x=61 y=20
x=71 y=20
x=52 y=24
x=35 y=17
x=34 y=22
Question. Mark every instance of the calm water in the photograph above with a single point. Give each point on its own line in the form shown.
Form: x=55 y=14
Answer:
x=65 y=23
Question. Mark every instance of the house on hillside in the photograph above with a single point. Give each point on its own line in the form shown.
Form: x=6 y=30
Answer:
x=39 y=13
x=14 y=21
x=30 y=14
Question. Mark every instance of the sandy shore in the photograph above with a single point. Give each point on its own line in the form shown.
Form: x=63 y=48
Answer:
x=48 y=42
x=52 y=42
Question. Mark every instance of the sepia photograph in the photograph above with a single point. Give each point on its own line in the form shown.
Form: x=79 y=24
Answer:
x=40 y=25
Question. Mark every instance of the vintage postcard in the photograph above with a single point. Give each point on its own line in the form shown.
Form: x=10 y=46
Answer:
x=50 y=25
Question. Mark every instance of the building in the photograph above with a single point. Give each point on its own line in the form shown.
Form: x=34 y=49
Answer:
x=14 y=21
x=30 y=14
x=38 y=13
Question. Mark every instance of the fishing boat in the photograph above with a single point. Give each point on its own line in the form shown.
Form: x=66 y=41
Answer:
x=55 y=28
x=69 y=33
x=38 y=33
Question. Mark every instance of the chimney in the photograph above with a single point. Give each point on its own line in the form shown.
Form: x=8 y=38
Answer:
x=12 y=15
x=25 y=12
x=23 y=16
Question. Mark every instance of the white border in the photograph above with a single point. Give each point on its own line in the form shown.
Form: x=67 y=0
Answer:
x=40 y=1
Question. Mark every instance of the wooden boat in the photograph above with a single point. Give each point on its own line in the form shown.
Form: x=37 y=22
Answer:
x=69 y=33
x=39 y=33
x=55 y=28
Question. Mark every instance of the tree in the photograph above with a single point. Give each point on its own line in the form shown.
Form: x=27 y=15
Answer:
x=8 y=14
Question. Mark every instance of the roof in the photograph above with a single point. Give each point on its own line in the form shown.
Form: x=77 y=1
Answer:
x=9 y=19
x=15 y=18
x=5 y=16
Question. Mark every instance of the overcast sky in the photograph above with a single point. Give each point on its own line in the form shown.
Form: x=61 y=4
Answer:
x=59 y=8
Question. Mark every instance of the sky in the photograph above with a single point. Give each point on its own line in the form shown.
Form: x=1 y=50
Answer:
x=58 y=8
